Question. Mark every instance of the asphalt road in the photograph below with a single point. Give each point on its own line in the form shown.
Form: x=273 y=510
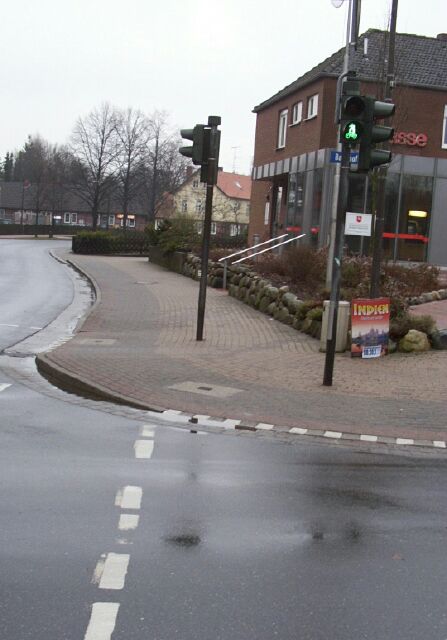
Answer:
x=116 y=525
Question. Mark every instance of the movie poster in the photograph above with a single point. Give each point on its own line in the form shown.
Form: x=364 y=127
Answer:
x=370 y=326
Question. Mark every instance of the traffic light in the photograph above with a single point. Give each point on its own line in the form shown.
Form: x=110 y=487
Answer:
x=369 y=156
x=352 y=114
x=198 y=152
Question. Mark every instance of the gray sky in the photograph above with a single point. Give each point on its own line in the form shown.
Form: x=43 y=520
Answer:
x=62 y=58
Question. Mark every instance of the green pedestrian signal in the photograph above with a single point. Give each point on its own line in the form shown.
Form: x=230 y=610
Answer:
x=352 y=132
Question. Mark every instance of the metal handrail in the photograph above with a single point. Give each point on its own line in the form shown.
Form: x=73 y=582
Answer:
x=238 y=253
x=269 y=248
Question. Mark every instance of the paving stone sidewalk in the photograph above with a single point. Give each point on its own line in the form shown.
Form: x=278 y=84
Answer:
x=139 y=344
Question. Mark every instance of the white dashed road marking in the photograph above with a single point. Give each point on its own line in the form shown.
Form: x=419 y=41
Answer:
x=144 y=448
x=102 y=621
x=128 y=521
x=129 y=497
x=4 y=385
x=147 y=431
x=114 y=571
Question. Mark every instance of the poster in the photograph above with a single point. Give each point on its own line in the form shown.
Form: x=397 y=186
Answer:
x=358 y=224
x=370 y=327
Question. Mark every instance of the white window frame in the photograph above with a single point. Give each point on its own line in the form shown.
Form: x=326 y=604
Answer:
x=73 y=218
x=282 y=128
x=184 y=206
x=195 y=184
x=234 y=230
x=213 y=228
x=444 y=130
x=297 y=112
x=199 y=205
x=130 y=222
x=312 y=106
x=66 y=218
x=157 y=223
x=111 y=220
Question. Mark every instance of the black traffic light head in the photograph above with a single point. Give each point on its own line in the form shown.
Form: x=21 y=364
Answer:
x=197 y=151
x=352 y=125
x=369 y=156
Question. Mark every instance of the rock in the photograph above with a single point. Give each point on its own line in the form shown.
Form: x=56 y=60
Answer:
x=283 y=290
x=392 y=346
x=264 y=303
x=427 y=297
x=306 y=324
x=272 y=292
x=217 y=283
x=296 y=324
x=436 y=295
x=242 y=292
x=271 y=308
x=252 y=300
x=414 y=341
x=438 y=339
x=291 y=302
x=284 y=316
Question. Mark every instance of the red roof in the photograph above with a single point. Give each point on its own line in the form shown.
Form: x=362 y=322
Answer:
x=234 y=185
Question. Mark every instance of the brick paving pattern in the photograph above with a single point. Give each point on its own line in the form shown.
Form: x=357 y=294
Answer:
x=150 y=313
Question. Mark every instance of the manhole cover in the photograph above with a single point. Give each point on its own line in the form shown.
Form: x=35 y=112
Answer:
x=217 y=391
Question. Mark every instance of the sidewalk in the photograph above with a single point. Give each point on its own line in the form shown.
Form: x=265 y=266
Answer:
x=138 y=345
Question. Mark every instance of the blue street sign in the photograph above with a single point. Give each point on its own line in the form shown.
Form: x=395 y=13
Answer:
x=336 y=157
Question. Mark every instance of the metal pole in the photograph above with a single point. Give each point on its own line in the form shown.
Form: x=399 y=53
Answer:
x=213 y=122
x=333 y=222
x=336 y=266
x=379 y=223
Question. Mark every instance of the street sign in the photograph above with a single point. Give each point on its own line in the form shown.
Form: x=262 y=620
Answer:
x=358 y=224
x=336 y=157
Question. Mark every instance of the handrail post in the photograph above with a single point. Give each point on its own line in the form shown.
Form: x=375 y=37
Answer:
x=225 y=275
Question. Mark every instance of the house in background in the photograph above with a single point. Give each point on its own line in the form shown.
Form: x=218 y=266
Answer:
x=231 y=203
x=296 y=140
x=31 y=204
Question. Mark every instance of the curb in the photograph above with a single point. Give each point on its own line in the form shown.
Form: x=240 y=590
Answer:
x=72 y=383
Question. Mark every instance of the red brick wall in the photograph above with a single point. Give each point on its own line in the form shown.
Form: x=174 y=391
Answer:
x=259 y=192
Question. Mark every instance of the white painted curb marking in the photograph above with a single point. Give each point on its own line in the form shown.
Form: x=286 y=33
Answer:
x=367 y=438
x=114 y=572
x=404 y=441
x=332 y=434
x=102 y=621
x=265 y=426
x=439 y=443
x=128 y=521
x=298 y=430
x=144 y=448
x=129 y=497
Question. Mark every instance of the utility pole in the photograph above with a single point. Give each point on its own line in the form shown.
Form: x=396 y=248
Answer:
x=382 y=171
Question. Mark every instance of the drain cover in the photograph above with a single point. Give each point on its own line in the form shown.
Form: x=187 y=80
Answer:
x=217 y=391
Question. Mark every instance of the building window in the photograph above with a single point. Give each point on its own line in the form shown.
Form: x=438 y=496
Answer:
x=198 y=206
x=195 y=184
x=234 y=230
x=297 y=113
x=111 y=220
x=66 y=218
x=444 y=129
x=282 y=129
x=199 y=227
x=157 y=224
x=184 y=206
x=131 y=221
x=213 y=228
x=312 y=106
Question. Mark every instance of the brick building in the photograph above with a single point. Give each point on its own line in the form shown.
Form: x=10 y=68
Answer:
x=296 y=138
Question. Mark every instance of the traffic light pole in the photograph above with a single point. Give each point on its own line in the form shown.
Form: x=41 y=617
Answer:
x=336 y=265
x=212 y=169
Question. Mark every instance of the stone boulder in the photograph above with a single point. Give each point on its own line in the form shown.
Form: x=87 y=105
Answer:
x=414 y=341
x=438 y=339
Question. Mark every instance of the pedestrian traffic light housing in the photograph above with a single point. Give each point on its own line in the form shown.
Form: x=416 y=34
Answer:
x=352 y=125
x=369 y=156
x=197 y=151
x=205 y=147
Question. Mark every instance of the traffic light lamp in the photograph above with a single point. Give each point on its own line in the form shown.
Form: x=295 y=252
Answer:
x=369 y=156
x=198 y=152
x=352 y=125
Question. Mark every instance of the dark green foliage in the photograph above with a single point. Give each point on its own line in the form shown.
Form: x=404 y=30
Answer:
x=110 y=242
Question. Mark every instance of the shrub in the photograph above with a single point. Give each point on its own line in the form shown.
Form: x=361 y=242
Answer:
x=401 y=325
x=109 y=242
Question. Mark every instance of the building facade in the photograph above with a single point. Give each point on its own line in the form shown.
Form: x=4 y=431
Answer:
x=295 y=151
x=231 y=203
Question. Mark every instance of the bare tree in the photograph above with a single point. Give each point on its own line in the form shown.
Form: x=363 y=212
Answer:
x=164 y=166
x=133 y=133
x=95 y=150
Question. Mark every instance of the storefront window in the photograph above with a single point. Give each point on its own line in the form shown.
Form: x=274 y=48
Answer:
x=414 y=218
x=316 y=206
x=295 y=202
x=356 y=204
